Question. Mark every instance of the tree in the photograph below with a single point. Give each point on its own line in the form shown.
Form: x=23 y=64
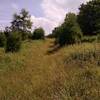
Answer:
x=89 y=17
x=22 y=23
x=13 y=42
x=56 y=32
x=38 y=33
x=2 y=39
x=69 y=32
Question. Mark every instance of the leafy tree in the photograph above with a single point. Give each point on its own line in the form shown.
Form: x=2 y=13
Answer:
x=7 y=31
x=22 y=23
x=56 y=31
x=13 y=42
x=38 y=33
x=89 y=17
x=69 y=32
x=2 y=39
x=50 y=36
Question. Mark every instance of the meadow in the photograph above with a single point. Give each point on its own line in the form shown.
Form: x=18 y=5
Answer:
x=35 y=73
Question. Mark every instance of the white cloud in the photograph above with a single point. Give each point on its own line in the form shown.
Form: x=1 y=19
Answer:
x=43 y=22
x=55 y=11
x=73 y=5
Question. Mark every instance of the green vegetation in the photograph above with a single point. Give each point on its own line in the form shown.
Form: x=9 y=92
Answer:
x=90 y=38
x=64 y=68
x=98 y=37
x=88 y=17
x=22 y=24
x=69 y=32
x=2 y=39
x=19 y=30
x=72 y=72
x=13 y=42
x=38 y=33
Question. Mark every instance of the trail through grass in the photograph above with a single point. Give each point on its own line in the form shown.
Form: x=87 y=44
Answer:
x=33 y=74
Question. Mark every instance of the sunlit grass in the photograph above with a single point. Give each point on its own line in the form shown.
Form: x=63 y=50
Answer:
x=32 y=74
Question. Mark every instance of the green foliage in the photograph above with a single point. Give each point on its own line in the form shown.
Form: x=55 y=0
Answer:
x=25 y=35
x=56 y=32
x=98 y=37
x=2 y=39
x=89 y=17
x=50 y=36
x=22 y=23
x=89 y=39
x=13 y=42
x=23 y=73
x=38 y=34
x=69 y=32
x=30 y=35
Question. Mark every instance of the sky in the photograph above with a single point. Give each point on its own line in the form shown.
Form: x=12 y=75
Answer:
x=44 y=13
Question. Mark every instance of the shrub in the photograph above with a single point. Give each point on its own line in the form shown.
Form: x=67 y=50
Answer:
x=69 y=32
x=70 y=37
x=30 y=35
x=38 y=34
x=89 y=39
x=13 y=42
x=24 y=35
x=50 y=36
x=56 y=32
x=2 y=39
x=98 y=37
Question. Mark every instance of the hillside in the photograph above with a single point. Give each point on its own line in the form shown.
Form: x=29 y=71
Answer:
x=41 y=71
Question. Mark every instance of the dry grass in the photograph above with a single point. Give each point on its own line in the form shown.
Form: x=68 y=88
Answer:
x=32 y=74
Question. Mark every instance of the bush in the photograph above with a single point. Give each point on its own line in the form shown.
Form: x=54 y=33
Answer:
x=50 y=36
x=30 y=35
x=98 y=37
x=24 y=35
x=69 y=32
x=56 y=32
x=38 y=34
x=70 y=37
x=89 y=39
x=13 y=42
x=2 y=39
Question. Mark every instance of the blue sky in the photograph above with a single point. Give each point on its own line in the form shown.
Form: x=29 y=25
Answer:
x=44 y=13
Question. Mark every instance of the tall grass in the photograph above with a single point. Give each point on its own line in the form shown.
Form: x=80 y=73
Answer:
x=84 y=54
x=31 y=74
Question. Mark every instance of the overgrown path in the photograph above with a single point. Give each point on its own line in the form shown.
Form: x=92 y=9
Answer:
x=30 y=72
x=39 y=71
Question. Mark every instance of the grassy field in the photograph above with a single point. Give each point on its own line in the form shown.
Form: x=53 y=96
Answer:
x=41 y=71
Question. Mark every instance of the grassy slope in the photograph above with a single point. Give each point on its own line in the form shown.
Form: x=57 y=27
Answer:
x=34 y=74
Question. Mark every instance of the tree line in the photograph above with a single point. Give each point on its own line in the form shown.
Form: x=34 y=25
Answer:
x=83 y=27
x=19 y=31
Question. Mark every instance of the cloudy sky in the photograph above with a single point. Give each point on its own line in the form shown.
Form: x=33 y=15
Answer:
x=44 y=13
